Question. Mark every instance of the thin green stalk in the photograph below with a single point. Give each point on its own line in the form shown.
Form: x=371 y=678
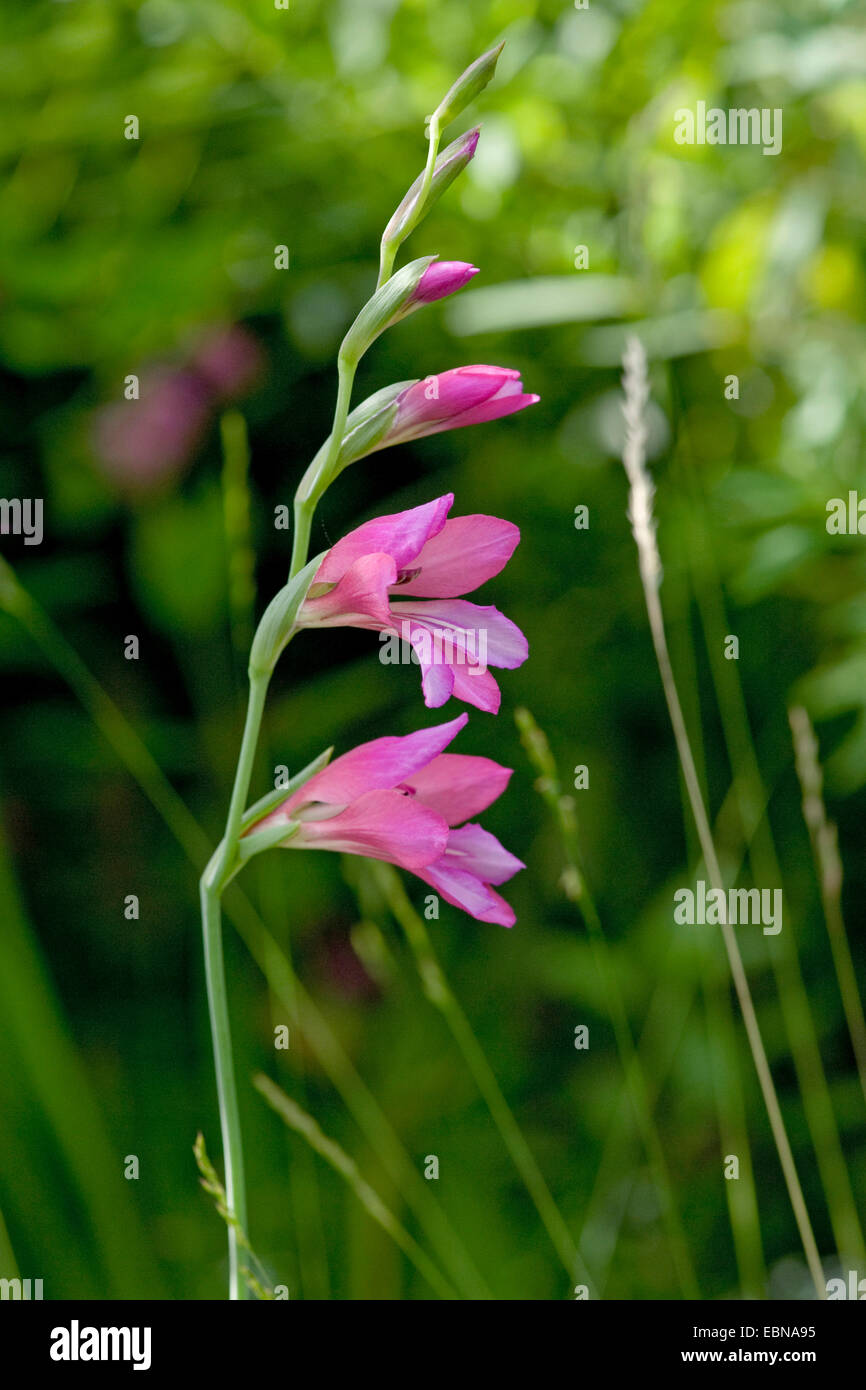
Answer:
x=303 y=1170
x=440 y=994
x=388 y=250
x=304 y=1124
x=213 y=883
x=230 y=1123
x=791 y=987
x=41 y=1058
x=538 y=749
x=643 y=526
x=240 y=561
x=236 y=520
x=243 y=776
x=308 y=494
x=784 y=958
x=216 y=1190
x=741 y=1195
x=828 y=868
x=666 y=1015
x=740 y=1192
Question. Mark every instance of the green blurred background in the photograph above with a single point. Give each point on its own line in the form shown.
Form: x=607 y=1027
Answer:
x=262 y=127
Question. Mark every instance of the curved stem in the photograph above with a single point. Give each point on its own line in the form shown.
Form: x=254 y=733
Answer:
x=243 y=774
x=389 y=249
x=306 y=501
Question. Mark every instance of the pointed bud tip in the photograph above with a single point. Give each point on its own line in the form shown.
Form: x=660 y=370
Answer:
x=443 y=278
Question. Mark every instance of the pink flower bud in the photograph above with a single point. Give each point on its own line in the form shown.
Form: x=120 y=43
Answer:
x=416 y=284
x=450 y=163
x=462 y=396
x=440 y=279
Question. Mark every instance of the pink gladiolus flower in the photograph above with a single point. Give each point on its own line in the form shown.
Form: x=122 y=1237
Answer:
x=462 y=396
x=403 y=800
x=403 y=575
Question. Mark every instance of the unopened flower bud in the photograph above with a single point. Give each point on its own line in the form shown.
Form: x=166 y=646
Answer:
x=451 y=162
x=466 y=88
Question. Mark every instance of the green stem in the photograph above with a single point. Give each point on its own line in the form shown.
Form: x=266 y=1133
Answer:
x=230 y=1123
x=243 y=774
x=389 y=249
x=577 y=892
x=307 y=496
x=213 y=881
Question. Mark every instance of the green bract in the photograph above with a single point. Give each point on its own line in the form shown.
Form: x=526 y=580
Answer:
x=272 y=799
x=278 y=619
x=368 y=424
x=389 y=304
x=261 y=840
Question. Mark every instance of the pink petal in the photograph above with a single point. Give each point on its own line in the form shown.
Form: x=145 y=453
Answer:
x=477 y=688
x=360 y=596
x=437 y=678
x=494 y=409
x=459 y=785
x=464 y=890
x=387 y=825
x=449 y=663
x=475 y=850
x=382 y=763
x=401 y=535
x=482 y=633
x=467 y=552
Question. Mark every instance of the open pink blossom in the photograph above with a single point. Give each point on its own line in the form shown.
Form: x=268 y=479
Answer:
x=461 y=396
x=403 y=800
x=403 y=575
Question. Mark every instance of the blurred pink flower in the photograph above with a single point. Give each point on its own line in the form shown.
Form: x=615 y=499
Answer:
x=230 y=360
x=143 y=442
x=400 y=799
x=403 y=574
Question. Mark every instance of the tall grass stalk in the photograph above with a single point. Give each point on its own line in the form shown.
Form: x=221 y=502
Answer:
x=636 y=388
x=303 y=1124
x=440 y=994
x=752 y=802
x=741 y=1196
x=828 y=867
x=577 y=892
